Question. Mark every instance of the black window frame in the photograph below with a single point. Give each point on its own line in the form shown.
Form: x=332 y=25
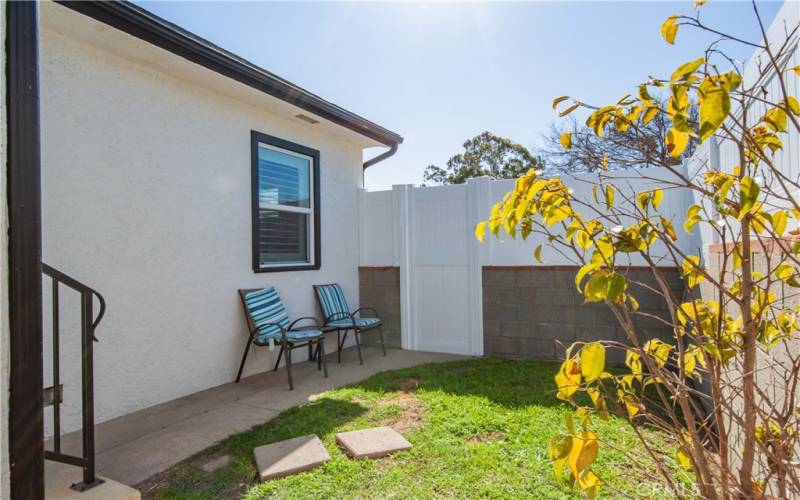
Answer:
x=257 y=138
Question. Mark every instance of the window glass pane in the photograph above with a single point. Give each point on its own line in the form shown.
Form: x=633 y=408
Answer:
x=283 y=179
x=282 y=236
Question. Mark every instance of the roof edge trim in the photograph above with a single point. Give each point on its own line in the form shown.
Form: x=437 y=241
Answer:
x=142 y=24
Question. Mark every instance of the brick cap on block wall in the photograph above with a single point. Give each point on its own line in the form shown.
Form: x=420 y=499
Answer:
x=569 y=267
x=763 y=245
x=378 y=268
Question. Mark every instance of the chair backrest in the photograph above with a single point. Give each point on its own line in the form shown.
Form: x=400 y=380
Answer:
x=264 y=306
x=332 y=301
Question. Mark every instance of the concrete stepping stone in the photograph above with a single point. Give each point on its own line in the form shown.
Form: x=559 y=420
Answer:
x=372 y=443
x=288 y=457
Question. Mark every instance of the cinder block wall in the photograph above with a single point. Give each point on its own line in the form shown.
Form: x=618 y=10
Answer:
x=527 y=309
x=379 y=288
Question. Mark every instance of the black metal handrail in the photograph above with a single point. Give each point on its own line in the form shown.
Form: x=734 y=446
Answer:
x=55 y=394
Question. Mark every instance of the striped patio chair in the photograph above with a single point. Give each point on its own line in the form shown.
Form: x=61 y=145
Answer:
x=337 y=315
x=268 y=324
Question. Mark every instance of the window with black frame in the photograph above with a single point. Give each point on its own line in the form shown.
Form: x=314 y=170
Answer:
x=285 y=205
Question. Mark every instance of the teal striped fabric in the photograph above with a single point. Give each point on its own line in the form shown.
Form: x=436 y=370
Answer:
x=265 y=306
x=332 y=301
x=297 y=336
x=360 y=322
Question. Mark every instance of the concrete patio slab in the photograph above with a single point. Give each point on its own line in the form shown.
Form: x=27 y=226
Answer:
x=372 y=443
x=291 y=456
x=132 y=448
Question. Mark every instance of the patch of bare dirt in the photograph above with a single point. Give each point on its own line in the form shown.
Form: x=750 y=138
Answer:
x=407 y=384
x=486 y=438
x=412 y=409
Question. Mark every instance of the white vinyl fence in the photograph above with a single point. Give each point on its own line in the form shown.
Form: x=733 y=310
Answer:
x=428 y=233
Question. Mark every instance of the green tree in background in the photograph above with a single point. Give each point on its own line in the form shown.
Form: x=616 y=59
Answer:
x=485 y=154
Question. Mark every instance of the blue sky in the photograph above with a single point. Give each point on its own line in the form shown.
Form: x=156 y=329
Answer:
x=441 y=73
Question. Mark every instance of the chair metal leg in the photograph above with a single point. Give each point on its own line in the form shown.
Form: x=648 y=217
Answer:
x=358 y=346
x=383 y=346
x=341 y=344
x=318 y=356
x=310 y=352
x=289 y=365
x=321 y=355
x=280 y=353
x=244 y=357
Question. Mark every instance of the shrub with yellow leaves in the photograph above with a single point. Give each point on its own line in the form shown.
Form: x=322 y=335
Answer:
x=725 y=387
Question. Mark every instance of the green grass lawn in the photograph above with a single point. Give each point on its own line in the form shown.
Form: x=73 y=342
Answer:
x=479 y=428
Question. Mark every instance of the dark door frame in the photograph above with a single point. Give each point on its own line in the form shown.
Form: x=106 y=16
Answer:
x=25 y=424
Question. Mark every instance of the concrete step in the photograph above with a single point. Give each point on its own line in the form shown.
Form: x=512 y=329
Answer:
x=59 y=477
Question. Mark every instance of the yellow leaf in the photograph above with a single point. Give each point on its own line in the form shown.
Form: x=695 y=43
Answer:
x=568 y=379
x=604 y=165
x=676 y=142
x=586 y=268
x=669 y=229
x=609 y=196
x=584 y=239
x=633 y=362
x=669 y=29
x=593 y=361
x=631 y=404
x=558 y=468
x=658 y=350
x=793 y=104
x=715 y=106
x=796 y=70
x=566 y=140
x=569 y=109
x=651 y=113
x=748 y=195
x=559 y=447
x=658 y=195
x=559 y=100
x=480 y=231
x=779 y=220
x=643 y=200
x=687 y=69
x=589 y=483
x=683 y=459
x=776 y=119
x=644 y=95
x=692 y=217
x=583 y=452
x=691 y=269
x=537 y=253
x=699 y=3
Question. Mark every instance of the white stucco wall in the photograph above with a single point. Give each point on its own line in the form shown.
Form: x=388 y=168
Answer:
x=146 y=198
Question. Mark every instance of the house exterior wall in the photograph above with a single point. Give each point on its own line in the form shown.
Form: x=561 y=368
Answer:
x=146 y=198
x=536 y=312
x=379 y=288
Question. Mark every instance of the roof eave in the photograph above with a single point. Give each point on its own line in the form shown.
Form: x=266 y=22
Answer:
x=146 y=26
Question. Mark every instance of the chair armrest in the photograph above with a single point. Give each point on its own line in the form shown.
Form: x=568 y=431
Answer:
x=311 y=318
x=368 y=309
